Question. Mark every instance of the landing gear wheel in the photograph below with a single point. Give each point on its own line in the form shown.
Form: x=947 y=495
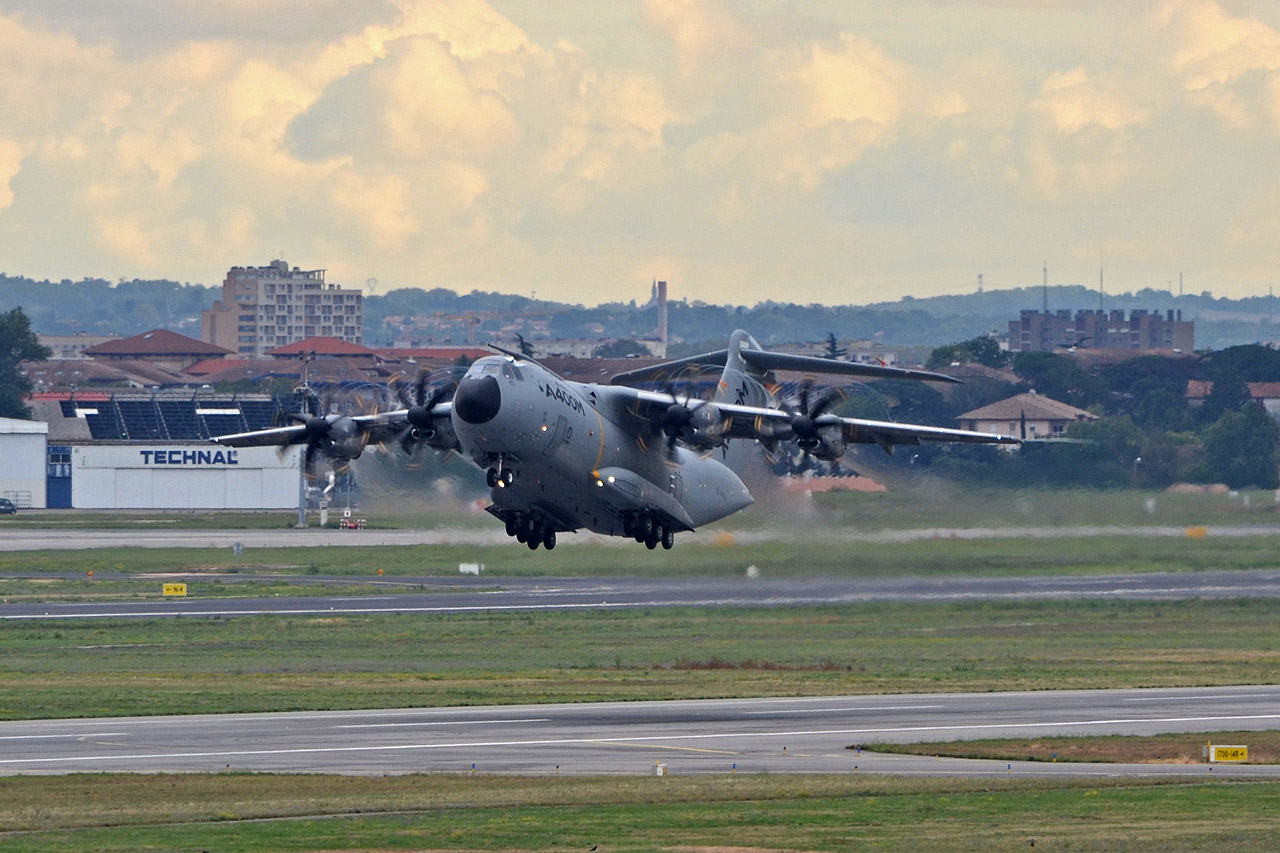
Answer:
x=645 y=527
x=549 y=539
x=507 y=477
x=531 y=528
x=668 y=538
x=491 y=477
x=533 y=543
x=512 y=525
x=651 y=541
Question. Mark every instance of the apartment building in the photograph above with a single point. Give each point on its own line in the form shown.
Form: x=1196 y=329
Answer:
x=1139 y=330
x=263 y=308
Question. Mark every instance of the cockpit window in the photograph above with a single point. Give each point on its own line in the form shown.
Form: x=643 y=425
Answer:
x=512 y=371
x=491 y=369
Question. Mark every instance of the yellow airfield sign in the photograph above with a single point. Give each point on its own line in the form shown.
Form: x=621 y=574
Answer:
x=1228 y=752
x=175 y=589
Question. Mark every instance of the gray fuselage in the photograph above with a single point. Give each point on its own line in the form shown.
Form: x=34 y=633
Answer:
x=577 y=455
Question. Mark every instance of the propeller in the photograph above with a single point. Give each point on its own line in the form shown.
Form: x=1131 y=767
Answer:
x=679 y=418
x=418 y=410
x=805 y=420
x=806 y=424
x=331 y=435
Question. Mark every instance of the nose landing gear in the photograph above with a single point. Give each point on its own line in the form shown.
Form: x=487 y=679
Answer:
x=499 y=477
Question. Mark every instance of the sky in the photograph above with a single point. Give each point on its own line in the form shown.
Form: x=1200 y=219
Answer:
x=824 y=151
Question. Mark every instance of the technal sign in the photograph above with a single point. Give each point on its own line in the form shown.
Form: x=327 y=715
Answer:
x=190 y=457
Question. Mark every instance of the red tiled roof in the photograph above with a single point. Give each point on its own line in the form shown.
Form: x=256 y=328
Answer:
x=1198 y=389
x=156 y=342
x=321 y=345
x=213 y=365
x=1264 y=390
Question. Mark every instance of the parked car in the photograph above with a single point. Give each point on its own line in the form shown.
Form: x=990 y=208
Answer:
x=7 y=507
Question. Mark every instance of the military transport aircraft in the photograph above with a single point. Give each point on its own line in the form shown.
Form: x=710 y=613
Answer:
x=560 y=456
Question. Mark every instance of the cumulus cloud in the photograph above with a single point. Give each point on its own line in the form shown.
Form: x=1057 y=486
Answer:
x=465 y=144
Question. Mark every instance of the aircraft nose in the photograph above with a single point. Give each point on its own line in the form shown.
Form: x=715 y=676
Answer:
x=477 y=399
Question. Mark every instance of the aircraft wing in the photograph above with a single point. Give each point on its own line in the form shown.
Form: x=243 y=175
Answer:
x=767 y=424
x=764 y=360
x=371 y=428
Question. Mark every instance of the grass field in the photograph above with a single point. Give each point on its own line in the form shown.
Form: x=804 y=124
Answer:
x=1264 y=748
x=912 y=502
x=189 y=665
x=265 y=812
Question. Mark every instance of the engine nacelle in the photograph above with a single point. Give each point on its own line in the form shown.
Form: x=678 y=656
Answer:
x=827 y=444
x=705 y=429
x=438 y=436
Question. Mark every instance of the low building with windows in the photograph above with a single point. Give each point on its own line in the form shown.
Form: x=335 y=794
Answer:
x=1026 y=416
x=131 y=450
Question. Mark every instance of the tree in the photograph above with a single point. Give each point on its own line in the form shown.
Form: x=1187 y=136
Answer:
x=983 y=349
x=834 y=351
x=17 y=344
x=1242 y=449
x=623 y=348
x=526 y=348
x=1060 y=377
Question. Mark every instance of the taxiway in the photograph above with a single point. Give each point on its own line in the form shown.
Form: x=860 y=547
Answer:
x=785 y=735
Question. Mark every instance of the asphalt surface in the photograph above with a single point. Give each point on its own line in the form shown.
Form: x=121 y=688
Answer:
x=463 y=594
x=807 y=735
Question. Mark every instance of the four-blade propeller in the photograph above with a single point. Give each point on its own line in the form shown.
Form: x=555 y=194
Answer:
x=420 y=423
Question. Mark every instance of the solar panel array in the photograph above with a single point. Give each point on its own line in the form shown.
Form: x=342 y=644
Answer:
x=168 y=419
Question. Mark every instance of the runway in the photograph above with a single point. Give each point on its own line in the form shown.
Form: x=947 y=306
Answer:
x=463 y=594
x=789 y=735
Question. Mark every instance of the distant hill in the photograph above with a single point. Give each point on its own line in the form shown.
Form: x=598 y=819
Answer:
x=97 y=306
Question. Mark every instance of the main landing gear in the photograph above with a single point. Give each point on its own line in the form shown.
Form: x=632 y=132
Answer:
x=647 y=528
x=496 y=477
x=530 y=530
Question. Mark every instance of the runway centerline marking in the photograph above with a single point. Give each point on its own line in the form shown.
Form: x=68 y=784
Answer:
x=783 y=713
x=441 y=723
x=666 y=747
x=316 y=750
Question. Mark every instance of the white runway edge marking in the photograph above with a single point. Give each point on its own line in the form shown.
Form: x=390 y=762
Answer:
x=75 y=734
x=313 y=750
x=1176 y=698
x=440 y=723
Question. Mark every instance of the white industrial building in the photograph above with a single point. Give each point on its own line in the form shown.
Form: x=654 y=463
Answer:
x=146 y=451
x=182 y=476
x=22 y=462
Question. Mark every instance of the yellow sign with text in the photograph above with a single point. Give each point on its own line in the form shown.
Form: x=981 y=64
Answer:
x=175 y=589
x=1221 y=752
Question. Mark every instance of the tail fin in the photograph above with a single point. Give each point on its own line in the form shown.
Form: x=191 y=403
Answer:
x=740 y=382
